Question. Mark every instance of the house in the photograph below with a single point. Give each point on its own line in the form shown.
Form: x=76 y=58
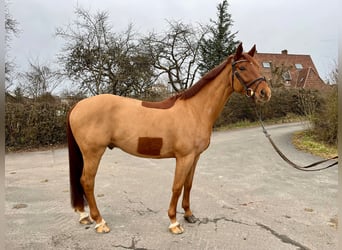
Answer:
x=290 y=70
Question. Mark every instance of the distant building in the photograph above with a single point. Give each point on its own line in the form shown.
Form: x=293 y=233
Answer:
x=290 y=70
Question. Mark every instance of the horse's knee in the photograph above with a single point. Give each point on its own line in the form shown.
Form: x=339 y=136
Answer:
x=176 y=192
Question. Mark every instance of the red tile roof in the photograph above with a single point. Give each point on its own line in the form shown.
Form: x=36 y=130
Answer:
x=297 y=71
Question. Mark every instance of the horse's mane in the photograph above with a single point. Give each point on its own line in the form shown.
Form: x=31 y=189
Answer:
x=203 y=81
x=192 y=91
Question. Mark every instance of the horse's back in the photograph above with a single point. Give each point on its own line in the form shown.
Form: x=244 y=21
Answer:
x=105 y=101
x=100 y=106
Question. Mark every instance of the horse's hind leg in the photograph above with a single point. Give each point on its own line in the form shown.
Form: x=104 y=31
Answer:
x=85 y=219
x=91 y=163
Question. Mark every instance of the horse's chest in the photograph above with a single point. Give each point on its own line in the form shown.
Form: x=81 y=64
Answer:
x=202 y=143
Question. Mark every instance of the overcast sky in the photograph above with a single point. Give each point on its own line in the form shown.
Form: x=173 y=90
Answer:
x=300 y=26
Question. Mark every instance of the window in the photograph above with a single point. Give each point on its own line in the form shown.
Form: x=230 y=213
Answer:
x=299 y=66
x=266 y=64
x=287 y=76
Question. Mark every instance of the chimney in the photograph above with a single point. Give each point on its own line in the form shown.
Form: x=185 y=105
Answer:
x=284 y=51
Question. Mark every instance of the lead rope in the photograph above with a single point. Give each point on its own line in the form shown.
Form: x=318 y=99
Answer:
x=296 y=166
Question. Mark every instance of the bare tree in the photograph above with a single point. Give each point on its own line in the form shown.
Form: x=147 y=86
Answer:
x=102 y=61
x=11 y=28
x=333 y=76
x=176 y=53
x=39 y=80
x=280 y=75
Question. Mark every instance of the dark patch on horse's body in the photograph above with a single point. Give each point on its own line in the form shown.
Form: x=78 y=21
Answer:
x=187 y=94
x=165 y=104
x=150 y=145
x=111 y=146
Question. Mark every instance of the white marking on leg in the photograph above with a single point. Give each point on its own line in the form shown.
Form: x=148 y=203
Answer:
x=176 y=224
x=102 y=223
x=83 y=215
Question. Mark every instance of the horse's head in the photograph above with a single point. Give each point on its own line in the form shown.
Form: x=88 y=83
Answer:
x=246 y=77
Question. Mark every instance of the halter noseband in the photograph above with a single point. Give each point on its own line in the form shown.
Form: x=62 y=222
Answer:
x=247 y=86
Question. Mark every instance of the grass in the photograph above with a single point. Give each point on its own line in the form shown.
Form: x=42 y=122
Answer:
x=306 y=141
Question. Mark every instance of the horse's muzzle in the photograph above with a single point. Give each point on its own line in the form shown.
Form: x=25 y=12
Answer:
x=262 y=94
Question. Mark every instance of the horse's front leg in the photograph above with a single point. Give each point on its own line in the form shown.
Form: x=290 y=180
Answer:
x=183 y=167
x=188 y=215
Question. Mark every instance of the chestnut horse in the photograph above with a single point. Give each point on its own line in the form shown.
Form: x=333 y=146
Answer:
x=179 y=127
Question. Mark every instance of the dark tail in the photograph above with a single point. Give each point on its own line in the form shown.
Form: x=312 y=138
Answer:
x=75 y=169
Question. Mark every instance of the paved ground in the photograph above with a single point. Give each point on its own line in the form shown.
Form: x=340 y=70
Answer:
x=245 y=196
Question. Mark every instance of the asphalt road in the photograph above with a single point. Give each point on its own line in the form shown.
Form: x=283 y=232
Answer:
x=244 y=195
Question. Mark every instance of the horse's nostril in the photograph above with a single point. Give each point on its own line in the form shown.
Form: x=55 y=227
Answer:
x=262 y=93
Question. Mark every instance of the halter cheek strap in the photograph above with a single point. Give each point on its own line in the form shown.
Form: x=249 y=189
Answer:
x=247 y=86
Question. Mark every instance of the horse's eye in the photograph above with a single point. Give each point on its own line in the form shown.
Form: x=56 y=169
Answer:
x=242 y=68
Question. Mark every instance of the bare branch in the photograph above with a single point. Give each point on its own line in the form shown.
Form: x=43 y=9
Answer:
x=175 y=53
x=101 y=61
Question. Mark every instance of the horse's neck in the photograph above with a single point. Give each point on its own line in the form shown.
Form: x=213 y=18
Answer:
x=210 y=101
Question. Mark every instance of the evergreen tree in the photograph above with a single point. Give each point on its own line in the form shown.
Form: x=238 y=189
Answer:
x=220 y=42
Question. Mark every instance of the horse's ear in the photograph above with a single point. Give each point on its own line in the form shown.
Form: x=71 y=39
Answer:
x=238 y=52
x=252 y=51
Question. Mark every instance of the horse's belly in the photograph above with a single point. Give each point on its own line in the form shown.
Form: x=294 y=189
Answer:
x=148 y=153
x=148 y=147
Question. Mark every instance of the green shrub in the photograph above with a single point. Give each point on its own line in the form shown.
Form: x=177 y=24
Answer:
x=34 y=125
x=282 y=103
x=325 y=120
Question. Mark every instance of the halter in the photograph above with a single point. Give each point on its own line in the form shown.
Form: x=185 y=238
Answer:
x=247 y=86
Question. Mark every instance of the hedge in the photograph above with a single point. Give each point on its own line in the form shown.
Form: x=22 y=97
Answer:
x=325 y=120
x=34 y=125
x=283 y=101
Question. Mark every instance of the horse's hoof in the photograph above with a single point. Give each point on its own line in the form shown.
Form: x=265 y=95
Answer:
x=102 y=227
x=86 y=221
x=191 y=218
x=176 y=228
